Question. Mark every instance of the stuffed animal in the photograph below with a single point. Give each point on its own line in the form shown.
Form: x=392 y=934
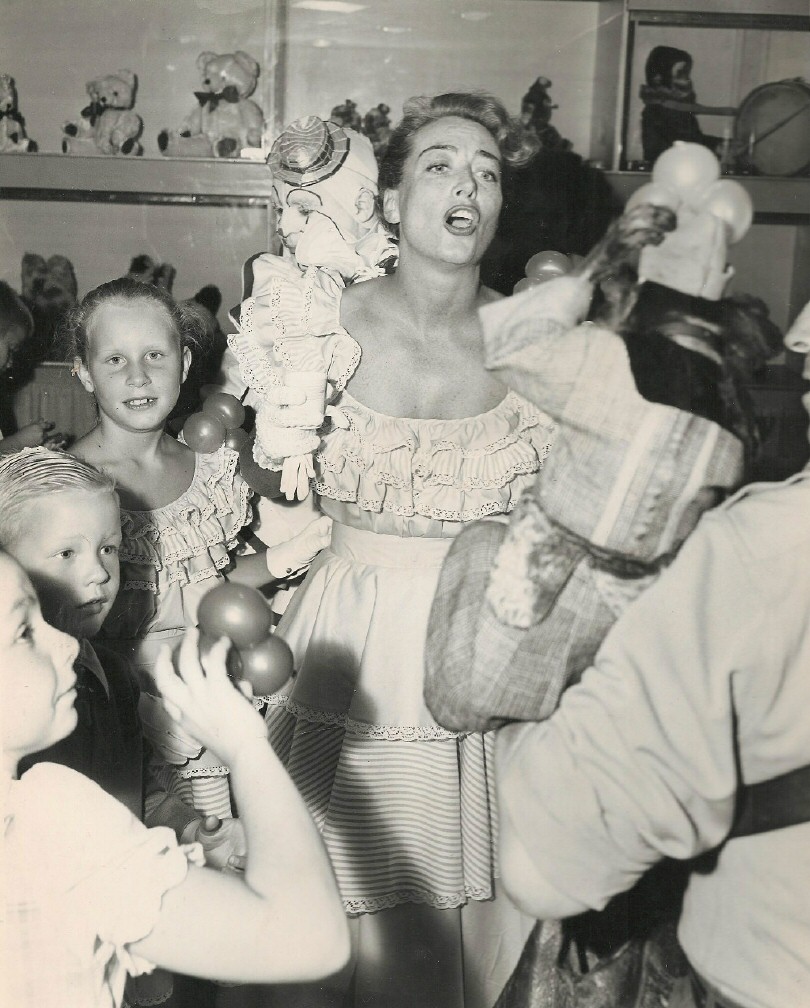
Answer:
x=225 y=120
x=107 y=125
x=144 y=268
x=12 y=124
x=50 y=290
x=377 y=127
x=347 y=115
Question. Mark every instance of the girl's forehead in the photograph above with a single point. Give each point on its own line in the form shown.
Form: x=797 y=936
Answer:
x=135 y=318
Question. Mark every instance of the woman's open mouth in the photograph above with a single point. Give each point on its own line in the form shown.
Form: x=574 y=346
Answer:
x=462 y=220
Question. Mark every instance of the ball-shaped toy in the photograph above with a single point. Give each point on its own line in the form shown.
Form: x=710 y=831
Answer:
x=204 y=433
x=235 y=611
x=225 y=407
x=548 y=264
x=729 y=201
x=526 y=282
x=267 y=665
x=687 y=168
x=237 y=439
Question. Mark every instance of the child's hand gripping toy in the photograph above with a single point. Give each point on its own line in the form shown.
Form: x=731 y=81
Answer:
x=12 y=125
x=107 y=125
x=225 y=119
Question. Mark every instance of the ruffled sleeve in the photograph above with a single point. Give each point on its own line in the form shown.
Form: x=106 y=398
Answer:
x=88 y=879
x=290 y=322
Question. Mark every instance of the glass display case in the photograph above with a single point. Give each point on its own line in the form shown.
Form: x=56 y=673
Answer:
x=206 y=216
x=732 y=79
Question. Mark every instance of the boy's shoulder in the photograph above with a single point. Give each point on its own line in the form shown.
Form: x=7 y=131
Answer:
x=117 y=671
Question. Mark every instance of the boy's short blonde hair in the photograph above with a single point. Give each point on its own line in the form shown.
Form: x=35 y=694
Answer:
x=33 y=473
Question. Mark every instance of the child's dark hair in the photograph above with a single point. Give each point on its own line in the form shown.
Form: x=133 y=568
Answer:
x=13 y=311
x=188 y=326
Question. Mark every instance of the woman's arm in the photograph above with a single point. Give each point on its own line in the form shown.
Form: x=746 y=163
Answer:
x=283 y=921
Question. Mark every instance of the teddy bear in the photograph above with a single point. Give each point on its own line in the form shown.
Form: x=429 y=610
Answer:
x=144 y=268
x=12 y=124
x=107 y=125
x=49 y=289
x=225 y=119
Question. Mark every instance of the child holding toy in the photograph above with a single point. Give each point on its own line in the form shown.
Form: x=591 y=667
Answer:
x=59 y=519
x=181 y=512
x=68 y=845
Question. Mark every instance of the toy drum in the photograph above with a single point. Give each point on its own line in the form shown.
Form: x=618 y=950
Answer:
x=773 y=128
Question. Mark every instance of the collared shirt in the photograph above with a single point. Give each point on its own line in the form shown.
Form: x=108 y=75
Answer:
x=701 y=685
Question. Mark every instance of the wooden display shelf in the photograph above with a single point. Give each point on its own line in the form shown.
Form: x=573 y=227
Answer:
x=73 y=178
x=776 y=200
x=234 y=182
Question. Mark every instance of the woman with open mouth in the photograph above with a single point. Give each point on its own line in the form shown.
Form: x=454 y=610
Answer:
x=421 y=442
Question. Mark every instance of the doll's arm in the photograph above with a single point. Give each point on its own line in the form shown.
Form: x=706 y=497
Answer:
x=285 y=560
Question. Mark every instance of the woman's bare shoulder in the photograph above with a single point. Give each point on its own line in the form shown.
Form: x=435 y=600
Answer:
x=364 y=304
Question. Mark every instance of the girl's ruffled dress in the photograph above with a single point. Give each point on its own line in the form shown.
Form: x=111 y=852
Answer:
x=406 y=808
x=170 y=557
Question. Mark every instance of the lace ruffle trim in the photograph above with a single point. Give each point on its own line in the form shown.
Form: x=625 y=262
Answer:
x=230 y=510
x=391 y=733
x=379 y=505
x=441 y=901
x=210 y=771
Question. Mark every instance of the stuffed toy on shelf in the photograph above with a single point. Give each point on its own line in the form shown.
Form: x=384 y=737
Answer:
x=225 y=119
x=107 y=125
x=12 y=125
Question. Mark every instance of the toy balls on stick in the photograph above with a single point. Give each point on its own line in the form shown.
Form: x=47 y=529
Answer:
x=225 y=407
x=267 y=665
x=235 y=611
x=729 y=201
x=203 y=433
x=688 y=168
x=548 y=264
x=526 y=282
x=237 y=438
x=243 y=616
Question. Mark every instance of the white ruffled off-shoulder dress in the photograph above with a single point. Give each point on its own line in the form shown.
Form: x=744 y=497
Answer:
x=406 y=808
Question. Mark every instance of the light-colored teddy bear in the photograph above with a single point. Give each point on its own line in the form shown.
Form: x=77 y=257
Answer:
x=12 y=129
x=108 y=125
x=225 y=119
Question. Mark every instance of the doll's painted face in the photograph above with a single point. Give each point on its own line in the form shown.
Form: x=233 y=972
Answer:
x=336 y=205
x=681 y=77
x=37 y=681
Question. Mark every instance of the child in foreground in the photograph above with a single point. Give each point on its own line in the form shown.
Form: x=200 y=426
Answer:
x=92 y=894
